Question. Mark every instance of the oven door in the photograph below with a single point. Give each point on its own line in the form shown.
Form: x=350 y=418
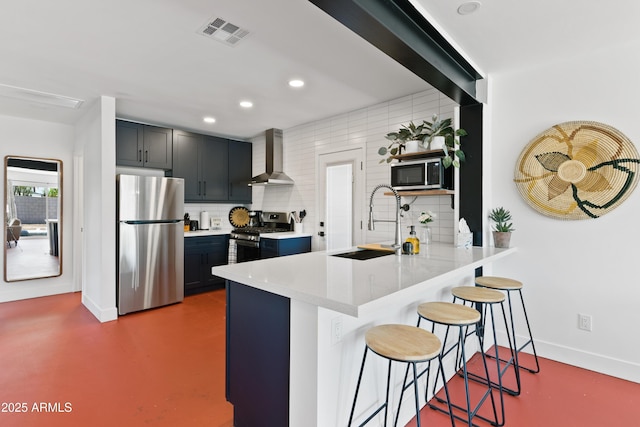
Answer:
x=247 y=250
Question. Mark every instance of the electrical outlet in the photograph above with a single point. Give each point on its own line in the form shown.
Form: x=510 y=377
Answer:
x=336 y=330
x=585 y=322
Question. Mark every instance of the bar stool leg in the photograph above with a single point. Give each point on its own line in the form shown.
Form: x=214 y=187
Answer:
x=386 y=401
x=415 y=388
x=353 y=407
x=465 y=374
x=513 y=361
x=530 y=341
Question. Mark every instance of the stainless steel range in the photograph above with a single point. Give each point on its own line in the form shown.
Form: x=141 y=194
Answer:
x=247 y=238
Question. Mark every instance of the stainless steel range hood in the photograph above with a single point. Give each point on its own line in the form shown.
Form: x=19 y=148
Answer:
x=273 y=174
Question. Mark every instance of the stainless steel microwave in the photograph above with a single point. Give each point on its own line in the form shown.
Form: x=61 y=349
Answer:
x=423 y=174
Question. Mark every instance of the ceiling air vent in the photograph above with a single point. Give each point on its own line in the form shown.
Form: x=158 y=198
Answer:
x=223 y=31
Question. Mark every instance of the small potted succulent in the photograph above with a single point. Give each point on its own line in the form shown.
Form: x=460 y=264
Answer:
x=502 y=228
x=427 y=134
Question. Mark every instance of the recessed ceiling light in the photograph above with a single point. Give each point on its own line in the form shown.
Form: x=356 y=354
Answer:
x=246 y=104
x=296 y=83
x=209 y=120
x=469 y=7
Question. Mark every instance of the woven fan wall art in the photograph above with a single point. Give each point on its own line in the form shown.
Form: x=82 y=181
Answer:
x=577 y=170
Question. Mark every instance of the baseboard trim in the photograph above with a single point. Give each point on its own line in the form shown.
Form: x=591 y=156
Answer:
x=601 y=363
x=103 y=315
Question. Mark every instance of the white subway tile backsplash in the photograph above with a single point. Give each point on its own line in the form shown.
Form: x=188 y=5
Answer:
x=367 y=127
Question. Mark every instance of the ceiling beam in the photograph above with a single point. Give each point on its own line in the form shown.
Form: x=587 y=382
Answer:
x=399 y=30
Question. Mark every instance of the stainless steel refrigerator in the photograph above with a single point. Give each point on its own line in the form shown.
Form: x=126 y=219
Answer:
x=150 y=241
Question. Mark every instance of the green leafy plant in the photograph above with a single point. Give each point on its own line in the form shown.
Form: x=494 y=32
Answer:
x=453 y=154
x=424 y=134
x=501 y=217
x=21 y=190
x=398 y=139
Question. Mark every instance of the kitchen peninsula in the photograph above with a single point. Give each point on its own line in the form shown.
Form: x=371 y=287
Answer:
x=296 y=324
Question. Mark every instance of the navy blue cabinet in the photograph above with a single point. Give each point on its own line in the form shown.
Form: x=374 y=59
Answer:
x=271 y=248
x=202 y=161
x=200 y=254
x=141 y=145
x=214 y=169
x=240 y=171
x=257 y=356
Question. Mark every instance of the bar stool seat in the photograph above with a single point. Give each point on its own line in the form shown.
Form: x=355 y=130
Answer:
x=400 y=343
x=479 y=295
x=511 y=285
x=462 y=317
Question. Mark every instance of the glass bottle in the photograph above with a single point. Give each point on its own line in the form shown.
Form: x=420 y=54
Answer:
x=413 y=239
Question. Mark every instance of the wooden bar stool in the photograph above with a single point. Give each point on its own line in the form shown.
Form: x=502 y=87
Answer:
x=401 y=343
x=462 y=317
x=511 y=285
x=484 y=299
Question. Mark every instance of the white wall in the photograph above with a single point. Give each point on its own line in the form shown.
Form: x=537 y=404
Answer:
x=571 y=267
x=33 y=138
x=95 y=143
x=366 y=127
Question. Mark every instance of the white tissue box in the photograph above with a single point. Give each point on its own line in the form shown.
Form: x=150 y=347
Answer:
x=465 y=240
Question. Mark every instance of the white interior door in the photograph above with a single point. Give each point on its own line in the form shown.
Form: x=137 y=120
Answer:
x=341 y=195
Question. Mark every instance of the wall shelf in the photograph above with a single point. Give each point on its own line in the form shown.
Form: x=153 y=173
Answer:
x=410 y=193
x=419 y=155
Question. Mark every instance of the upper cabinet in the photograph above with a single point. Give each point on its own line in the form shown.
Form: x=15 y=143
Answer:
x=141 y=145
x=214 y=169
x=240 y=169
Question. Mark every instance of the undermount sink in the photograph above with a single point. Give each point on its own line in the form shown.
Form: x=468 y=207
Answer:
x=363 y=254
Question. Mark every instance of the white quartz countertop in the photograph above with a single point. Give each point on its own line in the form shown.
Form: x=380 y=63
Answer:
x=201 y=233
x=356 y=287
x=284 y=235
x=277 y=236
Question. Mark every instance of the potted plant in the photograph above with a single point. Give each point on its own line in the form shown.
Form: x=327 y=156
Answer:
x=502 y=228
x=443 y=130
x=408 y=137
x=424 y=135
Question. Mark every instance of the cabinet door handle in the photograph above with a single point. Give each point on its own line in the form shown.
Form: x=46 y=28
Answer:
x=139 y=155
x=321 y=233
x=199 y=185
x=146 y=156
x=205 y=188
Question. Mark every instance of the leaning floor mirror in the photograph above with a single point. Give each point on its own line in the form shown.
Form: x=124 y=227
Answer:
x=33 y=218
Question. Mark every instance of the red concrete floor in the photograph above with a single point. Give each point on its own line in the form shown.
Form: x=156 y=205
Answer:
x=559 y=395
x=165 y=367
x=60 y=367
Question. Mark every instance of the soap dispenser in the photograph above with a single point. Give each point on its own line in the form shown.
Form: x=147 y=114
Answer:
x=413 y=239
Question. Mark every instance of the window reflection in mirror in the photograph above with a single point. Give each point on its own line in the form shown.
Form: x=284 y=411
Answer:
x=33 y=218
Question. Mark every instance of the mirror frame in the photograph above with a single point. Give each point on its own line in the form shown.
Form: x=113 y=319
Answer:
x=60 y=216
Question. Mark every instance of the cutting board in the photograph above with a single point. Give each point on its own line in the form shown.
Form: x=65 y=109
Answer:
x=376 y=247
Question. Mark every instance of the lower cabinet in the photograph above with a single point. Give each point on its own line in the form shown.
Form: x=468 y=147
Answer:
x=257 y=356
x=271 y=248
x=200 y=254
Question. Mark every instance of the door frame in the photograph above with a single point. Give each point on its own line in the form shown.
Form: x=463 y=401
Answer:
x=356 y=153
